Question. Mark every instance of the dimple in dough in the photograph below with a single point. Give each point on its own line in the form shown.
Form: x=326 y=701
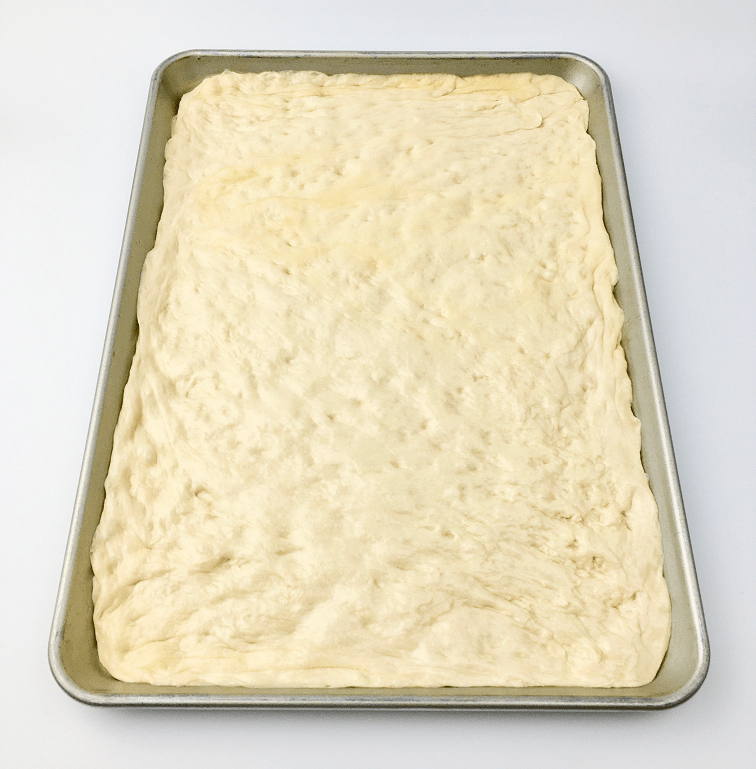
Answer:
x=378 y=427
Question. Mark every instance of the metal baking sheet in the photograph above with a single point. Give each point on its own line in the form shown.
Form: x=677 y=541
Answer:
x=72 y=649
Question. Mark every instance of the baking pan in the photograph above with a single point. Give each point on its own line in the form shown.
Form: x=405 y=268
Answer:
x=72 y=649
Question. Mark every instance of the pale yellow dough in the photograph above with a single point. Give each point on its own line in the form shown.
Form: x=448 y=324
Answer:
x=378 y=429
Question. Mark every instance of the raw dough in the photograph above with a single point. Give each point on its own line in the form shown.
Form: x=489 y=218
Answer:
x=378 y=430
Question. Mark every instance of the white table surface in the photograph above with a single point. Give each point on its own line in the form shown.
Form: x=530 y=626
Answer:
x=74 y=85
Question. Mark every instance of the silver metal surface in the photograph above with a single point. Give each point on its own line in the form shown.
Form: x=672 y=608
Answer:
x=72 y=649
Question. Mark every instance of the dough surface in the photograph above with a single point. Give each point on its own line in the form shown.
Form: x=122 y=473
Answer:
x=378 y=427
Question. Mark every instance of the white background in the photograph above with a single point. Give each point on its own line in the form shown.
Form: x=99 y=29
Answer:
x=73 y=89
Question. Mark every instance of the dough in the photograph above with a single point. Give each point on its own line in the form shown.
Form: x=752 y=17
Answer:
x=378 y=426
